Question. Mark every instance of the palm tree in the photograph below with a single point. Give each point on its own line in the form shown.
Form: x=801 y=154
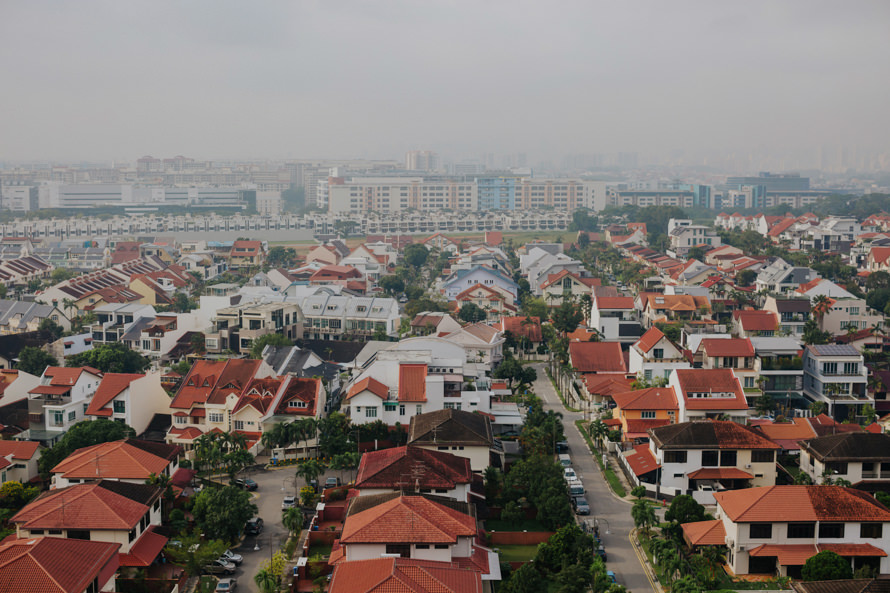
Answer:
x=310 y=469
x=266 y=581
x=598 y=430
x=163 y=482
x=292 y=519
x=643 y=515
x=821 y=306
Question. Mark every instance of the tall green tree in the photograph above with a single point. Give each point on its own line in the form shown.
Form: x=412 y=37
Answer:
x=83 y=434
x=34 y=360
x=221 y=513
x=310 y=469
x=110 y=358
x=416 y=254
x=567 y=316
x=256 y=347
x=472 y=313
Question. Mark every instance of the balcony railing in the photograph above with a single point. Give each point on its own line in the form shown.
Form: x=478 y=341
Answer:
x=781 y=364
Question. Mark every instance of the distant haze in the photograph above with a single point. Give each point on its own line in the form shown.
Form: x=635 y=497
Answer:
x=93 y=80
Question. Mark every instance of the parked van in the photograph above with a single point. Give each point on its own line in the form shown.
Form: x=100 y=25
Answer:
x=565 y=460
x=576 y=488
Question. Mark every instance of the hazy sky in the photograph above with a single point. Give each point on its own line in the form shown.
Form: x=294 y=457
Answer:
x=374 y=78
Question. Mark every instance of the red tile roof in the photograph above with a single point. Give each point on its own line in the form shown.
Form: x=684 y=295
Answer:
x=369 y=384
x=642 y=461
x=112 y=385
x=880 y=255
x=787 y=434
x=847 y=550
x=210 y=381
x=412 y=467
x=412 y=382
x=67 y=376
x=403 y=575
x=614 y=303
x=786 y=554
x=408 y=519
x=530 y=327
x=145 y=550
x=711 y=381
x=705 y=533
x=19 y=449
x=83 y=506
x=652 y=398
x=597 y=357
x=55 y=565
x=756 y=320
x=800 y=503
x=638 y=427
x=732 y=347
x=606 y=385
x=650 y=339
x=720 y=473
x=129 y=459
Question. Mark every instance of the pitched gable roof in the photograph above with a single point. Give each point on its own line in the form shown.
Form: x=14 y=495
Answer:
x=648 y=340
x=711 y=381
x=849 y=446
x=408 y=519
x=412 y=382
x=412 y=467
x=105 y=505
x=727 y=347
x=452 y=427
x=369 y=384
x=111 y=386
x=597 y=357
x=120 y=460
x=721 y=434
x=756 y=320
x=652 y=398
x=19 y=449
x=800 y=503
x=403 y=575
x=54 y=565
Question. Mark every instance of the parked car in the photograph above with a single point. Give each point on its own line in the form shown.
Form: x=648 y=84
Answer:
x=576 y=488
x=332 y=482
x=231 y=556
x=226 y=585
x=581 y=505
x=254 y=526
x=246 y=483
x=569 y=474
x=562 y=447
x=289 y=502
x=220 y=566
x=601 y=552
x=611 y=576
x=565 y=459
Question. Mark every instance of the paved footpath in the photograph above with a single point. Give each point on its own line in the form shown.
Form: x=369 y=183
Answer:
x=607 y=508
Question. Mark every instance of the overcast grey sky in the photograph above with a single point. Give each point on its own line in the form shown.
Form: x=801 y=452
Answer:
x=217 y=79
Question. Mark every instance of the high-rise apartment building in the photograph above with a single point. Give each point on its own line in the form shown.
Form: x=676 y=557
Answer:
x=421 y=160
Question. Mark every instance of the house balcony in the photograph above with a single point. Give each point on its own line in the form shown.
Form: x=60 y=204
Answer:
x=880 y=475
x=778 y=364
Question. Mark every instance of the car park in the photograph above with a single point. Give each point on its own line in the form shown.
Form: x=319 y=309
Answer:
x=232 y=557
x=289 y=502
x=246 y=483
x=254 y=526
x=226 y=585
x=220 y=566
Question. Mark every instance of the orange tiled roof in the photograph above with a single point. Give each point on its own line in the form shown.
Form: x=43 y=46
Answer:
x=642 y=461
x=614 y=302
x=54 y=565
x=412 y=382
x=112 y=385
x=82 y=506
x=652 y=398
x=597 y=357
x=19 y=449
x=121 y=460
x=408 y=519
x=388 y=468
x=756 y=320
x=650 y=339
x=530 y=327
x=720 y=473
x=732 y=347
x=369 y=384
x=705 y=533
x=786 y=554
x=711 y=381
x=403 y=575
x=800 y=503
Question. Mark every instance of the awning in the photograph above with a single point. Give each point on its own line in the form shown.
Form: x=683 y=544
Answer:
x=642 y=461
x=848 y=550
x=720 y=473
x=705 y=533
x=51 y=389
x=787 y=555
x=145 y=550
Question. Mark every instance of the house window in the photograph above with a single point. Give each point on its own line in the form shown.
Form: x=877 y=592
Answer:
x=870 y=530
x=675 y=456
x=422 y=546
x=851 y=368
x=418 y=409
x=728 y=458
x=658 y=353
x=749 y=382
x=831 y=530
x=296 y=403
x=761 y=531
x=370 y=412
x=389 y=406
x=179 y=419
x=441 y=546
x=403 y=550
x=647 y=414
x=215 y=417
x=119 y=407
x=829 y=368
x=762 y=456
x=647 y=374
x=72 y=416
x=709 y=458
x=401 y=409
x=801 y=530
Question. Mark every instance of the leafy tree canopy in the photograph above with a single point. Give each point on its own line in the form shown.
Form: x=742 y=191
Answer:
x=83 y=434
x=685 y=509
x=222 y=512
x=416 y=254
x=826 y=566
x=110 y=358
x=256 y=348
x=34 y=360
x=471 y=313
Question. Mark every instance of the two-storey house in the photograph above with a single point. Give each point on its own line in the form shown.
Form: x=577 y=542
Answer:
x=460 y=280
x=615 y=318
x=460 y=433
x=566 y=285
x=642 y=409
x=131 y=398
x=836 y=375
x=749 y=324
x=792 y=313
x=861 y=458
x=699 y=458
x=773 y=530
x=736 y=354
x=59 y=402
x=412 y=469
x=654 y=356
x=21 y=459
x=246 y=254
x=331 y=316
x=779 y=364
x=127 y=460
x=71 y=565
x=672 y=307
x=708 y=393
x=129 y=516
x=236 y=327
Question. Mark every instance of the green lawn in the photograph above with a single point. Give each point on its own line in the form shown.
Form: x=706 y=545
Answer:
x=517 y=553
x=523 y=525
x=323 y=550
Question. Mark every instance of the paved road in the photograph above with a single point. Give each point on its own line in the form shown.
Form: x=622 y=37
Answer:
x=611 y=512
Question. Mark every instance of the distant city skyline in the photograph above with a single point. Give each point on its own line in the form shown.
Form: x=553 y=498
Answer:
x=701 y=81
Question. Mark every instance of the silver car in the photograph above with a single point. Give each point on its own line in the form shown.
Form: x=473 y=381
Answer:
x=226 y=585
x=230 y=556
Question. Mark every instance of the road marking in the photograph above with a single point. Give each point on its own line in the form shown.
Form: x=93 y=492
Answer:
x=642 y=560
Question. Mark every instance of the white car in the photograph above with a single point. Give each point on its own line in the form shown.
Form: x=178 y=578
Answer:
x=289 y=502
x=569 y=474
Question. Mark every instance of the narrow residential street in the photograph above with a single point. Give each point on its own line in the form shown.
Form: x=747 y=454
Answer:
x=612 y=513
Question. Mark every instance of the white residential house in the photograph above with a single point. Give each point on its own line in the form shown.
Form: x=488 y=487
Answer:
x=615 y=318
x=59 y=402
x=836 y=375
x=781 y=278
x=654 y=357
x=131 y=398
x=461 y=280
x=708 y=394
x=862 y=458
